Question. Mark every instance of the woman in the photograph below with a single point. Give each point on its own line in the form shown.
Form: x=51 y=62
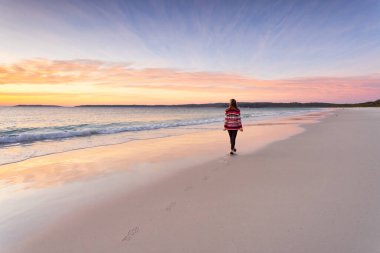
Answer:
x=232 y=123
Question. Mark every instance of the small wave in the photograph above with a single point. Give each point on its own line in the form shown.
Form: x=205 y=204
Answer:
x=27 y=135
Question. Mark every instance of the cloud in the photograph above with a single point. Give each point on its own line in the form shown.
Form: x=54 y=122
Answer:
x=43 y=71
x=118 y=75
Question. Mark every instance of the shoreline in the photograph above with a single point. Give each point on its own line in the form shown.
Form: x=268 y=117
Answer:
x=48 y=146
x=140 y=177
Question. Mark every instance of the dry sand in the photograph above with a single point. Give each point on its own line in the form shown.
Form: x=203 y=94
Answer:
x=317 y=191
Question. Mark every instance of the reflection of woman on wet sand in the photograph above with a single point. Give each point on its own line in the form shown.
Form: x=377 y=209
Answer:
x=232 y=123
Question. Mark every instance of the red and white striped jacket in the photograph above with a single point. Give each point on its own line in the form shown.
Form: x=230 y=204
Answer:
x=232 y=120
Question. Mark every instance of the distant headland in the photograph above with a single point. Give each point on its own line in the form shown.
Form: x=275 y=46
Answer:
x=254 y=105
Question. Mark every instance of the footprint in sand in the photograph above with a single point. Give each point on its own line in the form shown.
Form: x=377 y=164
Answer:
x=224 y=161
x=170 y=206
x=216 y=168
x=188 y=188
x=130 y=234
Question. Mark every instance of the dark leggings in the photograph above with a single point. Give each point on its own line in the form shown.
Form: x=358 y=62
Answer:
x=232 y=134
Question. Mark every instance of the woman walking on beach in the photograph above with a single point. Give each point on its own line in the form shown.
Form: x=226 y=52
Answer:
x=232 y=123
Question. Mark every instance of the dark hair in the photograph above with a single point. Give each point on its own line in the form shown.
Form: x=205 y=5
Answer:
x=233 y=104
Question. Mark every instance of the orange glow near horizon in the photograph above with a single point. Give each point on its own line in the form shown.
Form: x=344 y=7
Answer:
x=76 y=82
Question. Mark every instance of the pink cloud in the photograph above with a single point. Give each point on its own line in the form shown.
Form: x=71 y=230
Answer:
x=119 y=75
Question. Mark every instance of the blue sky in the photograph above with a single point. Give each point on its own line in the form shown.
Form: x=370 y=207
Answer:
x=263 y=39
x=171 y=52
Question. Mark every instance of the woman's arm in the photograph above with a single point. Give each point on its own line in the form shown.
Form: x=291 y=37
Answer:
x=240 y=124
x=225 y=121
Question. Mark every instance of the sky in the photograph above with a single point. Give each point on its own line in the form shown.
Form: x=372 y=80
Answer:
x=172 y=52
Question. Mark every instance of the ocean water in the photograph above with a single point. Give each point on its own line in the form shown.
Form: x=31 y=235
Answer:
x=27 y=132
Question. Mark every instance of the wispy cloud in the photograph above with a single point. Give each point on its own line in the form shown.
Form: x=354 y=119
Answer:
x=265 y=39
x=43 y=71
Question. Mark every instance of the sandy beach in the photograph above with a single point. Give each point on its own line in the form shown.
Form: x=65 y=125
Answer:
x=302 y=184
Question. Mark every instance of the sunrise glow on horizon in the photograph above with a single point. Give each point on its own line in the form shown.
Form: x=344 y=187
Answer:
x=175 y=52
